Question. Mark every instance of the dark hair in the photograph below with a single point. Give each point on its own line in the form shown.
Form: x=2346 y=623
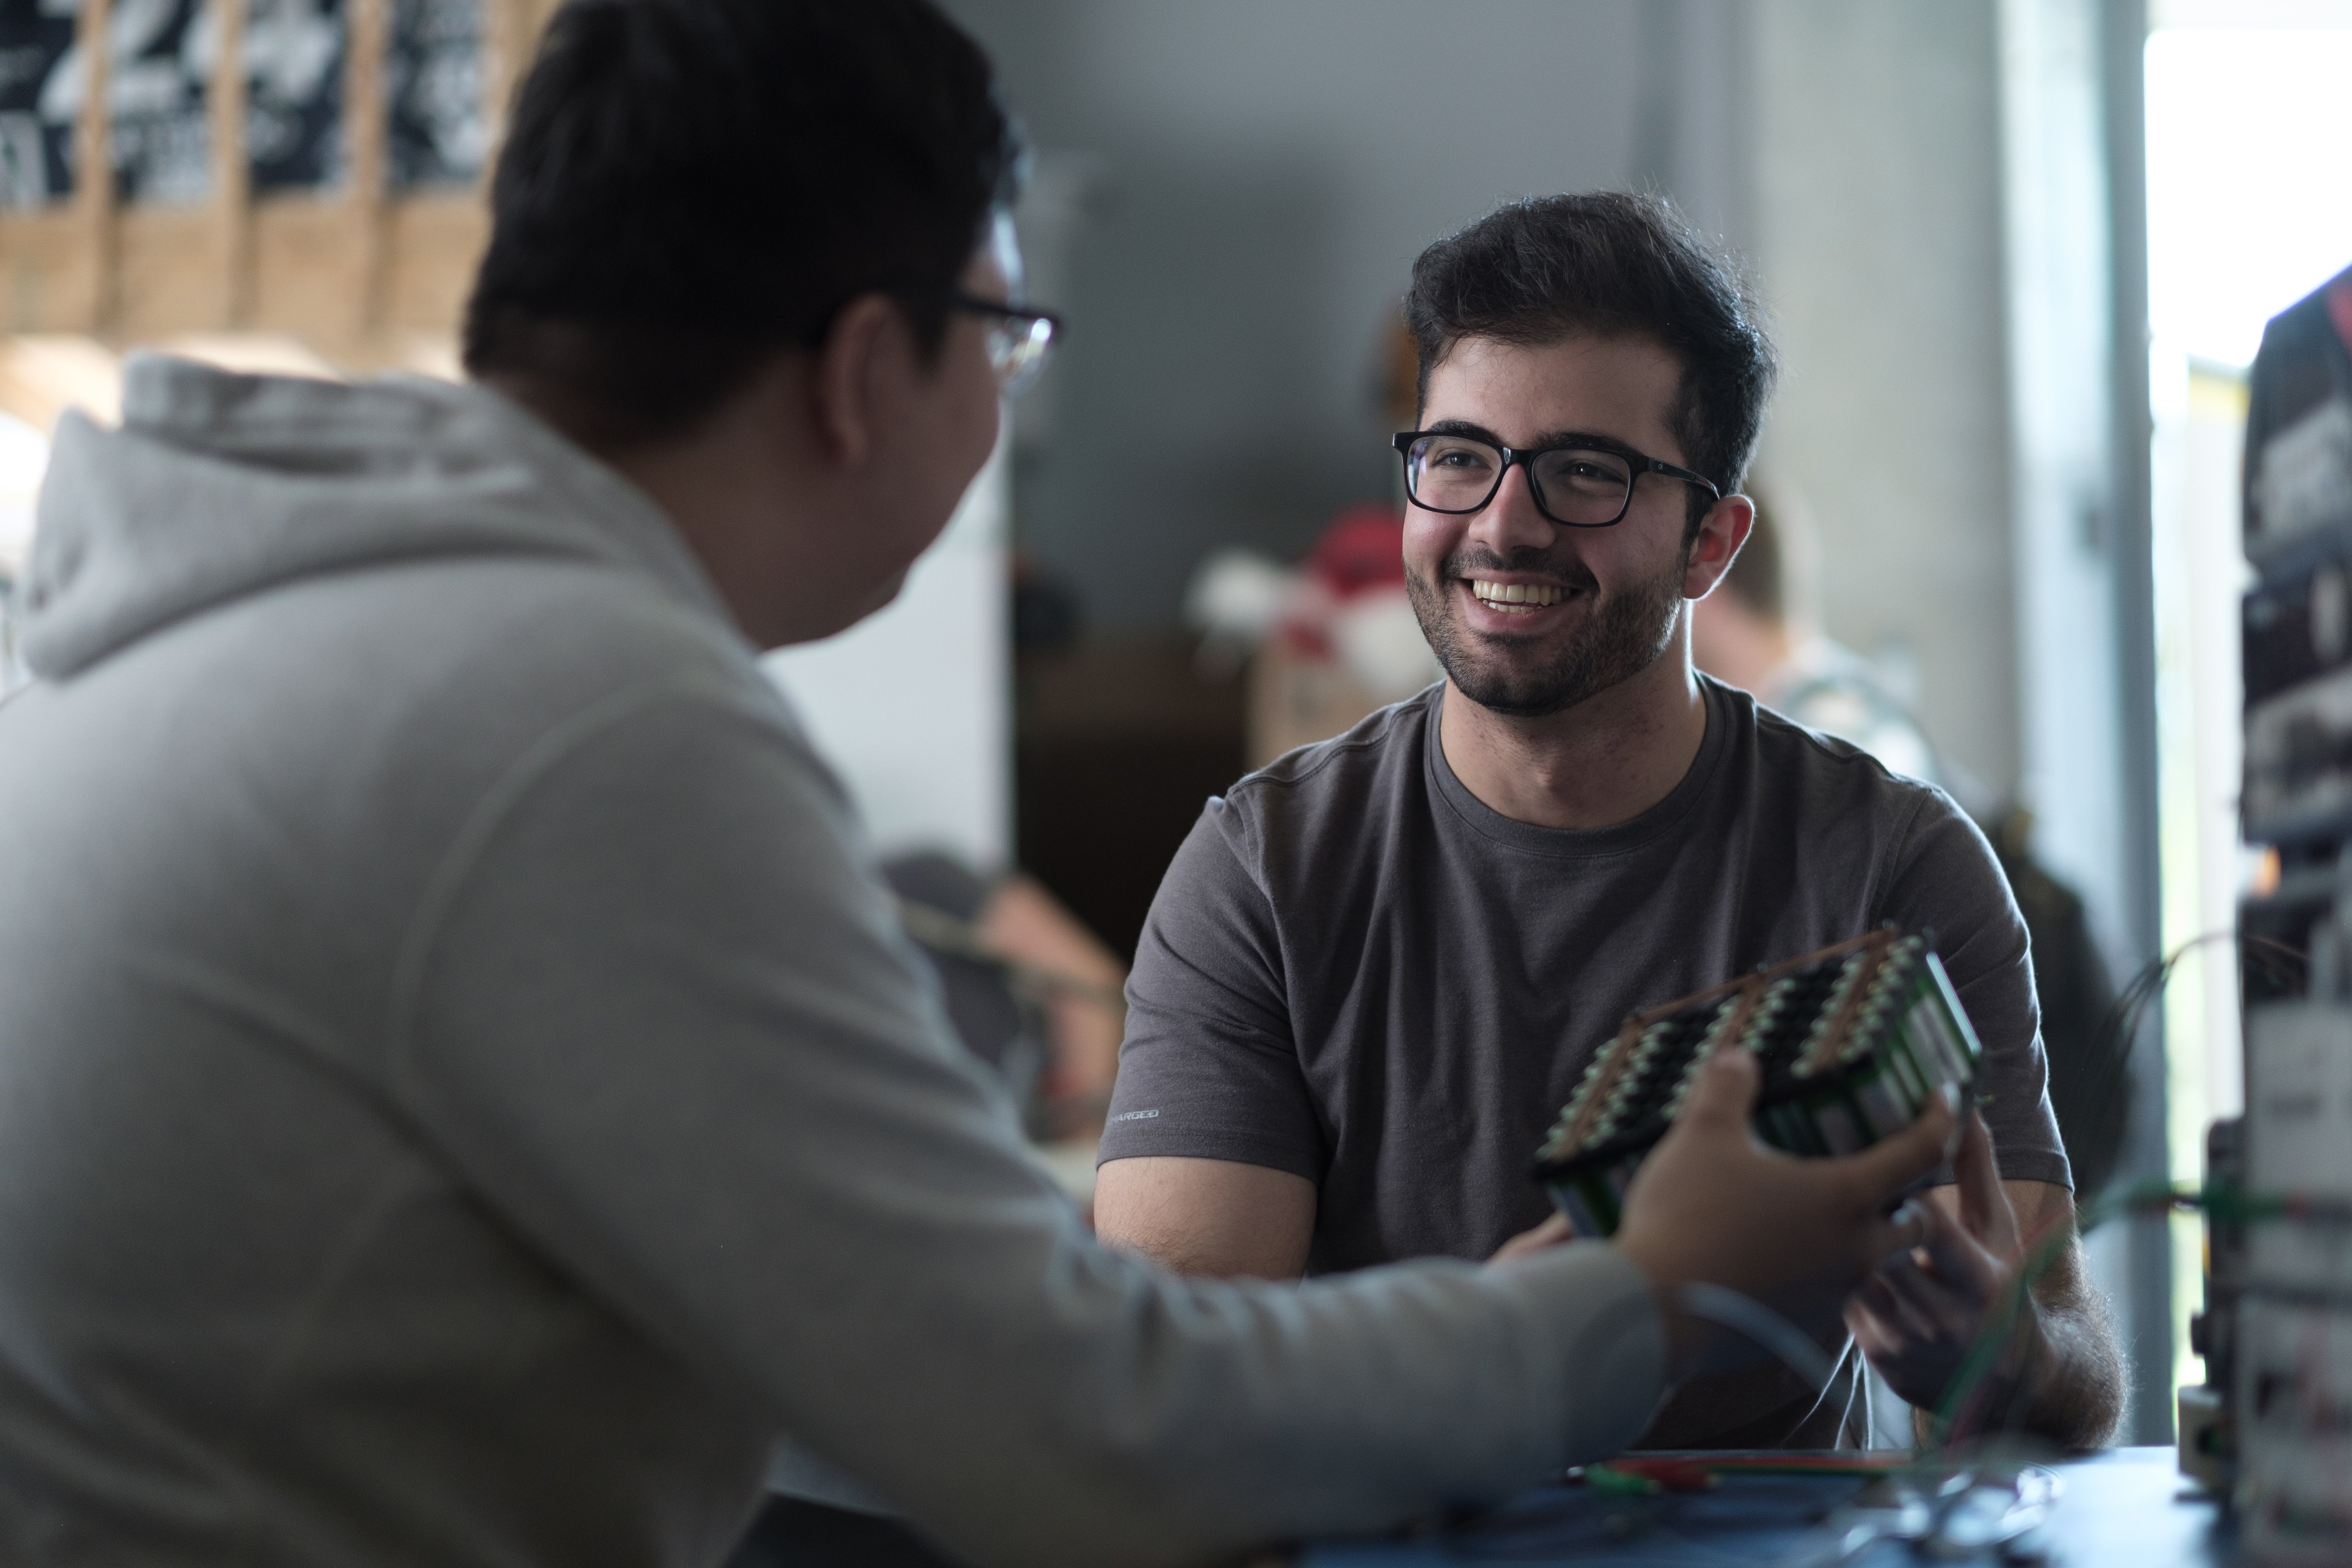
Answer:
x=690 y=187
x=1612 y=263
x=1758 y=574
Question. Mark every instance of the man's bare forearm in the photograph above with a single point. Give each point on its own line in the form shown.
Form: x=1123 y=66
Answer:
x=2063 y=1379
x=2077 y=1380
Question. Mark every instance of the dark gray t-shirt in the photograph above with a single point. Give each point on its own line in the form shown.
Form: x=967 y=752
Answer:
x=1357 y=971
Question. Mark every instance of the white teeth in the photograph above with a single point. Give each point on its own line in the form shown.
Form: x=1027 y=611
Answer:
x=1514 y=596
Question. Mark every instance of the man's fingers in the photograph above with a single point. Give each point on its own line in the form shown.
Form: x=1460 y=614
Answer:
x=1551 y=1232
x=1922 y=1306
x=1725 y=1094
x=1886 y=1167
x=1960 y=1260
x=1895 y=1235
x=1870 y=1329
x=1873 y=1303
x=1984 y=1207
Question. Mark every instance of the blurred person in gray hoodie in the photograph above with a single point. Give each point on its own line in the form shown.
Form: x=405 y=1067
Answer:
x=465 y=1096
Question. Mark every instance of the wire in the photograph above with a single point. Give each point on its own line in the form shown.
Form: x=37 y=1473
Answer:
x=2220 y=1202
x=1746 y=1315
x=1966 y=1397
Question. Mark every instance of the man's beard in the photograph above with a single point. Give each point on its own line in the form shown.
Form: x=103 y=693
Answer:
x=1619 y=636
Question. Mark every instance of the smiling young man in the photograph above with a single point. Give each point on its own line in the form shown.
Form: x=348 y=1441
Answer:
x=1378 y=967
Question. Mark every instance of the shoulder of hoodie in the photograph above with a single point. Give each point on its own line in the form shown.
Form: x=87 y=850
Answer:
x=526 y=648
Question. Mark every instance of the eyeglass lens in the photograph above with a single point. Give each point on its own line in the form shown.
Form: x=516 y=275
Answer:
x=1018 y=347
x=1585 y=488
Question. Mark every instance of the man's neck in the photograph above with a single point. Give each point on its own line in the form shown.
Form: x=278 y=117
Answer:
x=1606 y=761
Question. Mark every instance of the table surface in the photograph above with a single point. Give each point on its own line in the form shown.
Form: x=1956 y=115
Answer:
x=2128 y=1508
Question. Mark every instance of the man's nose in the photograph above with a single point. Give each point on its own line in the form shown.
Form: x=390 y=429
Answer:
x=1510 y=522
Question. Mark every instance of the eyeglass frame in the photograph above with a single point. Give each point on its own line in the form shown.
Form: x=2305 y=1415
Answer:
x=1643 y=463
x=957 y=299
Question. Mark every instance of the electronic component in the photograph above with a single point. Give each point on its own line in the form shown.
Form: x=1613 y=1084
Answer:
x=2298 y=468
x=1853 y=1041
x=2294 y=1365
x=2299 y=764
x=2290 y=1360
x=2298 y=628
x=2277 y=1327
x=2206 y=1429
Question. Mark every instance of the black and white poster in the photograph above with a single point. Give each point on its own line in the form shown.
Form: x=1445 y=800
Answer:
x=440 y=131
x=159 y=70
x=294 y=133
x=40 y=97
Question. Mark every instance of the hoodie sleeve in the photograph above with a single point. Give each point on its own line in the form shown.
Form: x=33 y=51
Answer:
x=657 y=1013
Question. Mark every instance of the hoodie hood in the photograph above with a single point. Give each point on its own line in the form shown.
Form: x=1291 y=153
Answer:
x=218 y=486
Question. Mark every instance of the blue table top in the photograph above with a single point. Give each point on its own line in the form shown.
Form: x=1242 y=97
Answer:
x=2128 y=1508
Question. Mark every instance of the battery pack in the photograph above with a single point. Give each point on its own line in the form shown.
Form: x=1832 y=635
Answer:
x=1853 y=1040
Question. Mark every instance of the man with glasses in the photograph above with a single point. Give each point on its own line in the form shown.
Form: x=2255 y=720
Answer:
x=1378 y=967
x=465 y=1094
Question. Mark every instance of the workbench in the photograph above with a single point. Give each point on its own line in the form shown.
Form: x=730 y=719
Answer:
x=2127 y=1507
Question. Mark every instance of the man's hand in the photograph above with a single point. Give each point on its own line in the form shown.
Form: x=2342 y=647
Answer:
x=2058 y=1373
x=1917 y=1317
x=1553 y=1230
x=1712 y=1205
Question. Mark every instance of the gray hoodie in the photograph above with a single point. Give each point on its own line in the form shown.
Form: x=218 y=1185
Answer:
x=464 y=1096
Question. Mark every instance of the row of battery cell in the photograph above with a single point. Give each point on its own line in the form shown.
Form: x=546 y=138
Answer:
x=1880 y=1093
x=1636 y=1087
x=1665 y=1062
x=1595 y=1200
x=1877 y=1092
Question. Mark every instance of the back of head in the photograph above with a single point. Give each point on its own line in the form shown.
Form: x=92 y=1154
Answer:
x=1612 y=264
x=690 y=187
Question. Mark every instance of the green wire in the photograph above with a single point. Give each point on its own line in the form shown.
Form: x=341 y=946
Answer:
x=2221 y=1201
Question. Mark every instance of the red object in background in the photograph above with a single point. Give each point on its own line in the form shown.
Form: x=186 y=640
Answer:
x=2339 y=307
x=1362 y=548
x=1360 y=551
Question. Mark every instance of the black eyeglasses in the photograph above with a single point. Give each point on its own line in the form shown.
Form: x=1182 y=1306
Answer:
x=1579 y=484
x=1020 y=340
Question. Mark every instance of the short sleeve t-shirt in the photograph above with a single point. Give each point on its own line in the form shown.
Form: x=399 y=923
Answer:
x=1357 y=971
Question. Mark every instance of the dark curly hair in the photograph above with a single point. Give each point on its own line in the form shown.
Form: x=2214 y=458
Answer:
x=1613 y=263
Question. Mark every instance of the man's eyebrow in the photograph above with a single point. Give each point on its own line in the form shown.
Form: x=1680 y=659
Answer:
x=1548 y=439
x=1464 y=428
x=1584 y=438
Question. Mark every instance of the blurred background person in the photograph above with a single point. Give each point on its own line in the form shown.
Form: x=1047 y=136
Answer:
x=1755 y=632
x=1749 y=634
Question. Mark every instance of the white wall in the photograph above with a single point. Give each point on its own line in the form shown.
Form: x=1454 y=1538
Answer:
x=2060 y=343
x=914 y=705
x=1878 y=221
x=1267 y=172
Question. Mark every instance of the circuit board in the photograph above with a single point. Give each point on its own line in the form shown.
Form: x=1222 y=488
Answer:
x=1853 y=1041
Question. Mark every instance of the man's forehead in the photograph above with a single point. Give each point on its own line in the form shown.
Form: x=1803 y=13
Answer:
x=1621 y=386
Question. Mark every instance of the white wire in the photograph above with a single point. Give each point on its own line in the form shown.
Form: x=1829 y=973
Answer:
x=1746 y=1315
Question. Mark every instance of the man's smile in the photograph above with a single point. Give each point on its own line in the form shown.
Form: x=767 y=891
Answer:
x=1516 y=598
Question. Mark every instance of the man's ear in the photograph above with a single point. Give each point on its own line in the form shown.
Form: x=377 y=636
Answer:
x=856 y=375
x=1721 y=533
